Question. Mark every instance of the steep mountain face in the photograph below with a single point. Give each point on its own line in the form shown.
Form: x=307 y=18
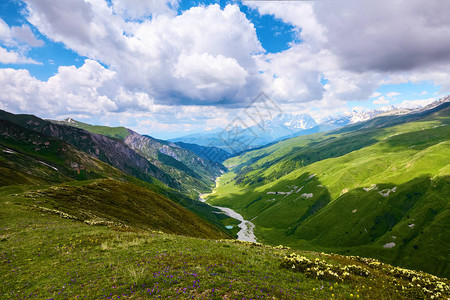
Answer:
x=29 y=157
x=108 y=150
x=378 y=188
x=191 y=171
x=187 y=171
x=93 y=190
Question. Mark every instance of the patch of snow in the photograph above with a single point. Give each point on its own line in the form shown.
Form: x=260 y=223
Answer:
x=394 y=237
x=389 y=245
x=386 y=192
x=411 y=225
x=297 y=191
x=355 y=210
x=9 y=151
x=306 y=196
x=319 y=185
x=311 y=176
x=372 y=187
x=271 y=193
x=48 y=165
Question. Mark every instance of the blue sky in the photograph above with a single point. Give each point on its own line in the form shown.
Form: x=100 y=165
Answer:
x=175 y=67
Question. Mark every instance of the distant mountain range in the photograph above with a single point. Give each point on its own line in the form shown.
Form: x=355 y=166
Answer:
x=284 y=126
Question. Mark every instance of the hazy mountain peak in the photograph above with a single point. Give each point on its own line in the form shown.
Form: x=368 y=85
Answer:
x=293 y=122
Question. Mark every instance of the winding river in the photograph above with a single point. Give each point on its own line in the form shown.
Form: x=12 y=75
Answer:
x=246 y=227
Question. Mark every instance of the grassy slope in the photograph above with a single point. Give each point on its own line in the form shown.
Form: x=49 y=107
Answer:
x=45 y=256
x=36 y=155
x=29 y=159
x=192 y=173
x=120 y=204
x=335 y=213
x=113 y=132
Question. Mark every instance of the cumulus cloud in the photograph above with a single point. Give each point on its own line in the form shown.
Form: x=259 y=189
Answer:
x=203 y=56
x=296 y=13
x=392 y=94
x=15 y=43
x=370 y=43
x=25 y=35
x=16 y=35
x=92 y=91
x=381 y=100
x=12 y=57
x=145 y=58
x=71 y=90
x=294 y=75
x=386 y=35
x=415 y=103
x=137 y=9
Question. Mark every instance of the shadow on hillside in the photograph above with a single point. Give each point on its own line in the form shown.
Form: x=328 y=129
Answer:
x=362 y=221
x=419 y=139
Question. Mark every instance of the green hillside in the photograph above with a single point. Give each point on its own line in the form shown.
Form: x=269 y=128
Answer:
x=180 y=168
x=73 y=226
x=379 y=189
x=113 y=132
x=30 y=160
x=46 y=254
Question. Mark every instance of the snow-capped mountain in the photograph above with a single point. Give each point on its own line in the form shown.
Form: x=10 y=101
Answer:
x=282 y=125
x=286 y=125
x=354 y=116
x=290 y=122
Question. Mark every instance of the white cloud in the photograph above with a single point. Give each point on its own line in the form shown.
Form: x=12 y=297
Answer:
x=375 y=95
x=16 y=35
x=152 y=56
x=299 y=14
x=71 y=90
x=15 y=43
x=381 y=100
x=386 y=35
x=388 y=38
x=25 y=35
x=178 y=69
x=137 y=9
x=12 y=57
x=392 y=94
x=415 y=103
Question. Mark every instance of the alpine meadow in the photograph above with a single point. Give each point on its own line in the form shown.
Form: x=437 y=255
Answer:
x=185 y=149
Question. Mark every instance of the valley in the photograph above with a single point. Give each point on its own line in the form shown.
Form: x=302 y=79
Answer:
x=302 y=218
x=371 y=190
x=245 y=150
